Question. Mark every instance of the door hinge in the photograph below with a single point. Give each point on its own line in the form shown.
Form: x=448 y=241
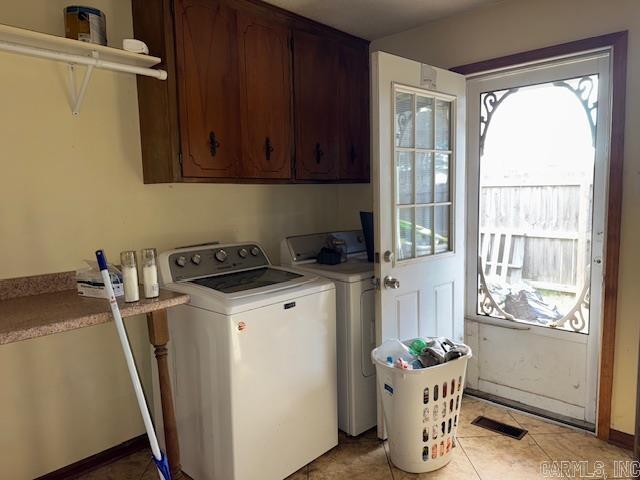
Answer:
x=180 y=158
x=172 y=8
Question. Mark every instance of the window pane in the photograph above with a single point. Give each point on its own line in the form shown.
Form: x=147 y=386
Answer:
x=421 y=123
x=424 y=122
x=405 y=233
x=536 y=205
x=442 y=177
x=443 y=122
x=404 y=176
x=442 y=228
x=404 y=119
x=424 y=231
x=424 y=178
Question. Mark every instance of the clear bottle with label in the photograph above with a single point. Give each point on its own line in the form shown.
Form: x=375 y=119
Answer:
x=129 y=268
x=150 y=273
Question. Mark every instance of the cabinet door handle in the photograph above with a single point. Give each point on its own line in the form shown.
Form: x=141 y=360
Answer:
x=319 y=153
x=268 y=148
x=352 y=154
x=214 y=144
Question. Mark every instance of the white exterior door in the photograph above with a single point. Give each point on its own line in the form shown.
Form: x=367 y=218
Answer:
x=418 y=150
x=537 y=178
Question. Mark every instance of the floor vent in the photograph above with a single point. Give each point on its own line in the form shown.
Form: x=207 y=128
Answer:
x=499 y=427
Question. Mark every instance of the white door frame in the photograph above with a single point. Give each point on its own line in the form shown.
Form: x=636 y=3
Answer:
x=538 y=73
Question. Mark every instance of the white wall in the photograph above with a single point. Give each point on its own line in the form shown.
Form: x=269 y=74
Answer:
x=69 y=185
x=513 y=26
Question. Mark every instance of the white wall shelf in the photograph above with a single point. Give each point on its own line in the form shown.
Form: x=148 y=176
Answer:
x=75 y=53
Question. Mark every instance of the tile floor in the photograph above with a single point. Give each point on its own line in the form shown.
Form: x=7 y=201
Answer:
x=482 y=454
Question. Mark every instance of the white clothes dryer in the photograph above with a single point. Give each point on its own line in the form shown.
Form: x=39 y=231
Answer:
x=355 y=316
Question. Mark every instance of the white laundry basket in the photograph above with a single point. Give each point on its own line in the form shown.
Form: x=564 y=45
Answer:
x=421 y=412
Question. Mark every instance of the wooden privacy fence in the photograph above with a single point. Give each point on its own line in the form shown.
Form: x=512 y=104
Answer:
x=545 y=230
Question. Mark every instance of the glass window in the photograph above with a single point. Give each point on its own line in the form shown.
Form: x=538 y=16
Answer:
x=424 y=122
x=404 y=177
x=537 y=158
x=423 y=158
x=404 y=119
x=424 y=177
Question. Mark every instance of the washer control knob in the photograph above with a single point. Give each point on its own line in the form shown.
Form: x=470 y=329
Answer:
x=255 y=251
x=221 y=255
x=242 y=253
x=196 y=259
x=181 y=261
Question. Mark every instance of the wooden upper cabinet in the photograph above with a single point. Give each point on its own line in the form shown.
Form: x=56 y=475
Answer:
x=316 y=65
x=253 y=94
x=207 y=70
x=265 y=98
x=353 y=94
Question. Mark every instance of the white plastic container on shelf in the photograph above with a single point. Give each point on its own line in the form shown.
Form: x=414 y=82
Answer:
x=421 y=411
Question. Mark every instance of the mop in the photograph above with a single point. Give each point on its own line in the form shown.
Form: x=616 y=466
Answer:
x=159 y=457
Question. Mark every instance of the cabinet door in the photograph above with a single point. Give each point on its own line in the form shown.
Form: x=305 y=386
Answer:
x=207 y=72
x=315 y=62
x=354 y=113
x=265 y=98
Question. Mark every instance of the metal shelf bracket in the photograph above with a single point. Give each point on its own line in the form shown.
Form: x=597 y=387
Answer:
x=77 y=96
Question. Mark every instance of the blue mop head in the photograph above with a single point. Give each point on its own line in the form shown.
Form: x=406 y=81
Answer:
x=163 y=466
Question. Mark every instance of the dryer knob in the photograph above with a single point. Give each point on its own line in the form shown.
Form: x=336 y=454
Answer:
x=255 y=251
x=221 y=255
x=243 y=253
x=181 y=261
x=196 y=259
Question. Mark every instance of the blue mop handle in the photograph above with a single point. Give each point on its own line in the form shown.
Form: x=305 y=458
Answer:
x=158 y=456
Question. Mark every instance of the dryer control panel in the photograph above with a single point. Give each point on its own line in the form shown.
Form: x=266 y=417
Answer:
x=208 y=260
x=300 y=248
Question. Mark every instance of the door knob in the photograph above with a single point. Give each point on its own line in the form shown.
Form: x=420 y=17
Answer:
x=390 y=282
x=388 y=256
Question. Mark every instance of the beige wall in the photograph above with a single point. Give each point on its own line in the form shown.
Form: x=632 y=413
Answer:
x=517 y=25
x=69 y=185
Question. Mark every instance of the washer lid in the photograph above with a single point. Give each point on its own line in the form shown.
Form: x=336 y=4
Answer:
x=241 y=301
x=247 y=280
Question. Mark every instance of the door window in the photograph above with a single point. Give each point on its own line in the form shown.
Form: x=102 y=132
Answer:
x=537 y=157
x=423 y=174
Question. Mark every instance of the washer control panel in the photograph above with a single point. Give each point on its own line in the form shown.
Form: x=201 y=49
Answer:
x=205 y=261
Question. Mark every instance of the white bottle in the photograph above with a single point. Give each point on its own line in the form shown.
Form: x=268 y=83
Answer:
x=150 y=273
x=129 y=276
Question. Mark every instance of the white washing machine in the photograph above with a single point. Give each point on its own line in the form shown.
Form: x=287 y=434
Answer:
x=253 y=363
x=355 y=314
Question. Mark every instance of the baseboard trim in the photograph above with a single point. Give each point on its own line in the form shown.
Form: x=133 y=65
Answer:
x=98 y=460
x=621 y=439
